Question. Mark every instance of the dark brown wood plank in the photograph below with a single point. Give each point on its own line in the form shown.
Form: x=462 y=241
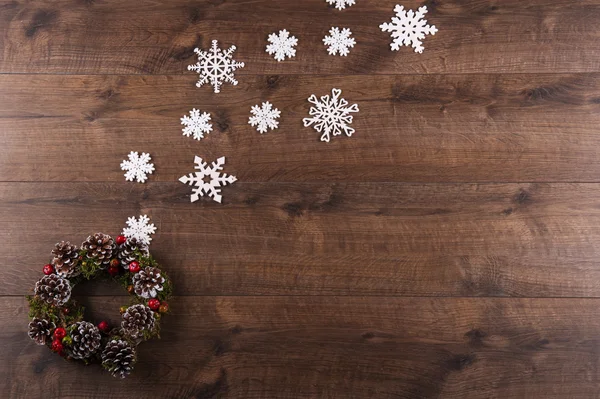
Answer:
x=330 y=347
x=509 y=36
x=531 y=240
x=455 y=128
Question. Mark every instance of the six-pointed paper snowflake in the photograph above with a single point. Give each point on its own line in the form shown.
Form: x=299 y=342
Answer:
x=408 y=28
x=208 y=179
x=264 y=117
x=341 y=4
x=282 y=45
x=137 y=167
x=196 y=124
x=215 y=66
x=139 y=229
x=330 y=115
x=339 y=41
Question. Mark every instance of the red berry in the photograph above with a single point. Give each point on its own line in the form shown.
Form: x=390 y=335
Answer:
x=154 y=304
x=134 y=266
x=60 y=333
x=48 y=269
x=103 y=326
x=113 y=271
x=57 y=346
x=121 y=240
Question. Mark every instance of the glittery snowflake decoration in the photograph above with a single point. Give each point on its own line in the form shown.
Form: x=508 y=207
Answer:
x=330 y=115
x=138 y=167
x=282 y=45
x=408 y=28
x=264 y=117
x=341 y=4
x=208 y=180
x=196 y=125
x=339 y=41
x=216 y=66
x=139 y=229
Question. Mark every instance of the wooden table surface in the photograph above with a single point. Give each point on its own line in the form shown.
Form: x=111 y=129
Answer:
x=448 y=249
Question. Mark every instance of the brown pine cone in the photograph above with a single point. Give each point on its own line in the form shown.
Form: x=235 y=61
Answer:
x=118 y=357
x=126 y=251
x=66 y=259
x=100 y=248
x=147 y=282
x=53 y=289
x=136 y=320
x=85 y=340
x=40 y=330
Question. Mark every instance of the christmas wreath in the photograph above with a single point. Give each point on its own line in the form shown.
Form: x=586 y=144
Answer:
x=57 y=320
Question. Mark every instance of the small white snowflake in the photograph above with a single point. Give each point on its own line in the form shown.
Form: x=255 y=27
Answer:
x=207 y=180
x=139 y=229
x=341 y=4
x=216 y=66
x=282 y=45
x=330 y=115
x=339 y=41
x=196 y=124
x=408 y=28
x=264 y=117
x=137 y=167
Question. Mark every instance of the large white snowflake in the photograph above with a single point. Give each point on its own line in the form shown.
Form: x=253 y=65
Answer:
x=330 y=115
x=264 y=117
x=137 y=167
x=216 y=66
x=339 y=41
x=341 y=4
x=408 y=28
x=196 y=124
x=282 y=45
x=139 y=229
x=208 y=179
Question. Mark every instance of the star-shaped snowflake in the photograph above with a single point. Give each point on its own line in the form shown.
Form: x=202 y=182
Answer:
x=282 y=45
x=264 y=117
x=341 y=4
x=216 y=66
x=207 y=180
x=139 y=229
x=137 y=167
x=196 y=124
x=408 y=28
x=339 y=41
x=331 y=115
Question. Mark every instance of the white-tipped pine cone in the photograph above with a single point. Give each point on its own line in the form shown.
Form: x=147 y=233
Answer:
x=86 y=340
x=53 y=289
x=40 y=330
x=66 y=259
x=147 y=282
x=136 y=320
x=100 y=248
x=118 y=357
x=126 y=251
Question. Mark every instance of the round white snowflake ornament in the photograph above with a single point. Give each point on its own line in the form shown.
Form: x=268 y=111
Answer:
x=265 y=117
x=282 y=45
x=139 y=229
x=137 y=167
x=216 y=66
x=196 y=124
x=331 y=115
x=339 y=41
x=408 y=28
x=208 y=180
x=341 y=4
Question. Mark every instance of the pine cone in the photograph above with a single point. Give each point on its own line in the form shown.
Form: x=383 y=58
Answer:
x=40 y=330
x=100 y=247
x=118 y=357
x=136 y=320
x=147 y=282
x=86 y=340
x=53 y=289
x=126 y=251
x=66 y=259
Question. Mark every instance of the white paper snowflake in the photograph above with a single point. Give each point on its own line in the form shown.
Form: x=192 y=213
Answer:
x=341 y=4
x=282 y=45
x=196 y=124
x=330 y=115
x=207 y=180
x=216 y=66
x=139 y=229
x=137 y=167
x=339 y=41
x=264 y=117
x=408 y=28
